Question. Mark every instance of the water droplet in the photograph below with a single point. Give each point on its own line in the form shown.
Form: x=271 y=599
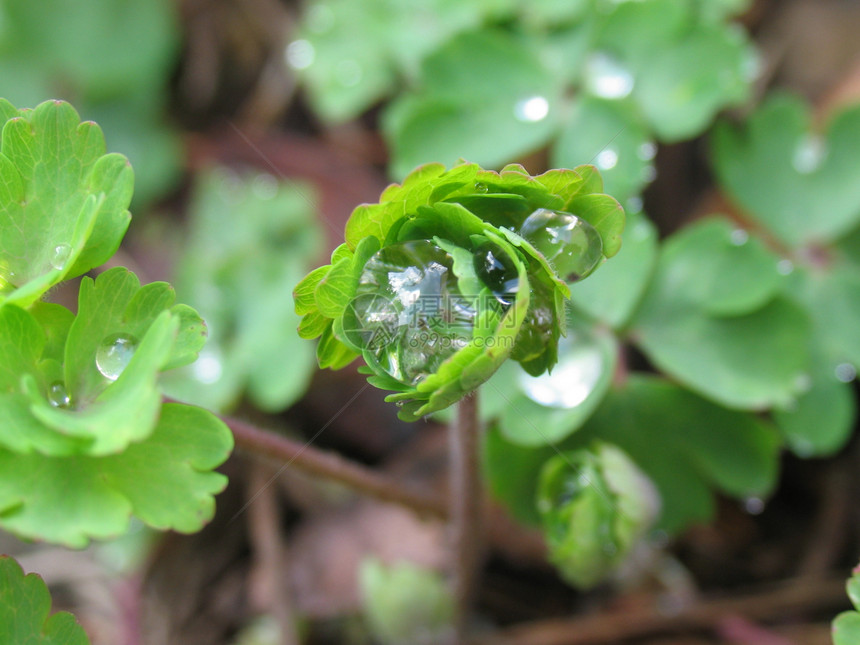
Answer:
x=606 y=159
x=58 y=396
x=574 y=377
x=532 y=109
x=802 y=382
x=481 y=188
x=264 y=186
x=845 y=372
x=300 y=54
x=647 y=151
x=784 y=267
x=408 y=310
x=348 y=73
x=809 y=155
x=114 y=354
x=634 y=204
x=754 y=505
x=607 y=78
x=496 y=270
x=60 y=256
x=739 y=237
x=571 y=244
x=208 y=368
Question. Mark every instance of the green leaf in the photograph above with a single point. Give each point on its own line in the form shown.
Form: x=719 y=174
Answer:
x=238 y=272
x=484 y=96
x=611 y=135
x=701 y=445
x=25 y=607
x=63 y=201
x=350 y=55
x=594 y=505
x=796 y=182
x=846 y=628
x=405 y=603
x=165 y=480
x=552 y=406
x=754 y=359
x=612 y=294
x=679 y=69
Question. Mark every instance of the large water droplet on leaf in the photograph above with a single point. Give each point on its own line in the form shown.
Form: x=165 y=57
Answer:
x=497 y=271
x=408 y=310
x=571 y=244
x=58 y=396
x=579 y=368
x=114 y=354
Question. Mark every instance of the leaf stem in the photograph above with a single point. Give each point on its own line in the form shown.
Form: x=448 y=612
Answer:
x=466 y=504
x=314 y=461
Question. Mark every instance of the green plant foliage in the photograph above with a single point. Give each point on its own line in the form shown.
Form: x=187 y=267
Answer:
x=731 y=338
x=492 y=80
x=405 y=604
x=435 y=289
x=594 y=504
x=233 y=271
x=846 y=626
x=63 y=202
x=112 y=58
x=25 y=607
x=800 y=185
x=795 y=181
x=85 y=440
x=702 y=446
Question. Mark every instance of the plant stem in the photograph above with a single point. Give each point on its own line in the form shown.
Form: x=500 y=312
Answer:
x=466 y=504
x=314 y=461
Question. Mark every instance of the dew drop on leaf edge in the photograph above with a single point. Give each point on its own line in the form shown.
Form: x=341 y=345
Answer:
x=571 y=245
x=114 y=354
x=58 y=395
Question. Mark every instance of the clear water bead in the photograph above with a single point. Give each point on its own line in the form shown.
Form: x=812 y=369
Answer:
x=58 y=396
x=497 y=271
x=577 y=373
x=571 y=244
x=607 y=78
x=408 y=310
x=114 y=354
x=60 y=256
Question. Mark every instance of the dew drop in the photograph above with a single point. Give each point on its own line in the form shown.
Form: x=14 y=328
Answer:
x=739 y=237
x=408 y=310
x=532 y=109
x=60 y=256
x=607 y=78
x=754 y=505
x=114 y=354
x=573 y=378
x=845 y=372
x=264 y=186
x=208 y=368
x=606 y=159
x=58 y=396
x=784 y=267
x=808 y=155
x=571 y=244
x=481 y=188
x=647 y=151
x=348 y=73
x=496 y=270
x=300 y=54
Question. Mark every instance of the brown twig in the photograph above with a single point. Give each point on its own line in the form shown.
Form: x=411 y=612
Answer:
x=787 y=599
x=270 y=592
x=466 y=506
x=313 y=461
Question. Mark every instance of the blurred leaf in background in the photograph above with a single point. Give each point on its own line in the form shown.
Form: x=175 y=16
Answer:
x=251 y=238
x=112 y=59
